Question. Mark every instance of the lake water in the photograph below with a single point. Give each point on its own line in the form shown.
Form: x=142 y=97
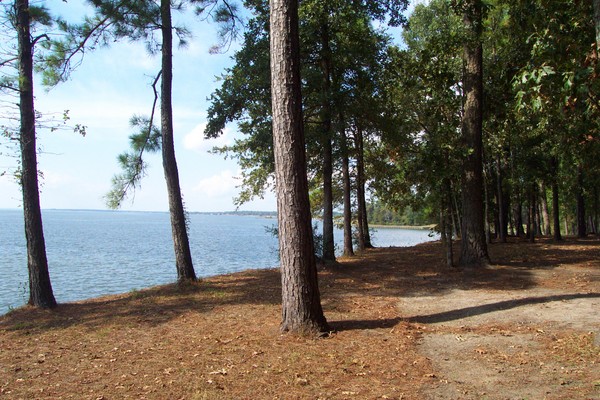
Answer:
x=93 y=253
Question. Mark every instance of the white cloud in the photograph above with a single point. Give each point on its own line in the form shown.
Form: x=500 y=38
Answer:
x=221 y=185
x=196 y=141
x=53 y=179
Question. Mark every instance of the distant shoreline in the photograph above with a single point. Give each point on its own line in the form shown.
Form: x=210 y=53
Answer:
x=413 y=227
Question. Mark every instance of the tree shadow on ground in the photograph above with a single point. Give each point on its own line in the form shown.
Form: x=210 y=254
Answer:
x=378 y=273
x=466 y=312
x=352 y=325
x=153 y=306
x=421 y=270
x=453 y=315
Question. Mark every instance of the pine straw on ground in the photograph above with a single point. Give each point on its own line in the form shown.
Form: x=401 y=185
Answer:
x=219 y=339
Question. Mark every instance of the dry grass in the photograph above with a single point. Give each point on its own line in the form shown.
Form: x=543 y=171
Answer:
x=220 y=339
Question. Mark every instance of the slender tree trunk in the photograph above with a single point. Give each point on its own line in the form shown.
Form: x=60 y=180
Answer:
x=326 y=67
x=328 y=239
x=363 y=223
x=581 y=226
x=40 y=288
x=365 y=217
x=473 y=244
x=301 y=302
x=592 y=225
x=519 y=214
x=486 y=213
x=447 y=222
x=348 y=247
x=555 y=202
x=456 y=214
x=360 y=227
x=540 y=216
x=531 y=225
x=183 y=255
x=502 y=225
x=545 y=213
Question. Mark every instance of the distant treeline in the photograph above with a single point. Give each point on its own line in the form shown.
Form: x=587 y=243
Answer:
x=269 y=214
x=380 y=214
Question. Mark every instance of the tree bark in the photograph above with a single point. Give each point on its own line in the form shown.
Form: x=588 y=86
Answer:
x=519 y=215
x=183 y=255
x=326 y=68
x=328 y=239
x=555 y=202
x=40 y=288
x=363 y=224
x=545 y=213
x=456 y=217
x=447 y=222
x=301 y=302
x=473 y=244
x=502 y=220
x=581 y=224
x=531 y=225
x=348 y=247
x=486 y=213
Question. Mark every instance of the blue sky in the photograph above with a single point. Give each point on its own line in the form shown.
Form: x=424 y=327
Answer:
x=111 y=85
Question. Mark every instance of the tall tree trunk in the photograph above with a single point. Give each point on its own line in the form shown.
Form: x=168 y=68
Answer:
x=447 y=222
x=360 y=226
x=456 y=217
x=545 y=213
x=592 y=225
x=581 y=225
x=486 y=213
x=531 y=225
x=518 y=211
x=555 y=202
x=326 y=68
x=328 y=239
x=363 y=224
x=301 y=301
x=183 y=255
x=348 y=247
x=40 y=288
x=502 y=223
x=473 y=244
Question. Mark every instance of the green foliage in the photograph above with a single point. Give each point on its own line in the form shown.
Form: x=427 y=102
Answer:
x=148 y=139
x=340 y=28
x=380 y=214
x=411 y=162
x=225 y=14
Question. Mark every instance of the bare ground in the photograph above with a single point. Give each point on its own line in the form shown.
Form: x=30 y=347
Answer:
x=404 y=327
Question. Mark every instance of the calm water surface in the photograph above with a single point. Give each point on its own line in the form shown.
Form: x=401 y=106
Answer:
x=93 y=253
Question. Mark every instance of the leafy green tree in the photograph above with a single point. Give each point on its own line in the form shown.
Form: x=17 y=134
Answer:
x=346 y=46
x=417 y=163
x=556 y=89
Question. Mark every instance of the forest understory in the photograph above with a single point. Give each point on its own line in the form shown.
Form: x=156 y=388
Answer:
x=403 y=327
